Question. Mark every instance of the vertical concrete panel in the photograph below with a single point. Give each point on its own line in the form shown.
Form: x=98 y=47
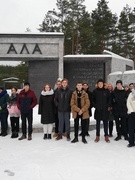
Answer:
x=41 y=72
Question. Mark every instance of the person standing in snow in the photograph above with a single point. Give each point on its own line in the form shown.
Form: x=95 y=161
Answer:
x=131 y=118
x=14 y=112
x=46 y=109
x=3 y=111
x=62 y=101
x=119 y=99
x=102 y=103
x=80 y=104
x=26 y=101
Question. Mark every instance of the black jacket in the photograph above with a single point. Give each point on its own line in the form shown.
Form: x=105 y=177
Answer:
x=46 y=109
x=119 y=99
x=62 y=99
x=101 y=102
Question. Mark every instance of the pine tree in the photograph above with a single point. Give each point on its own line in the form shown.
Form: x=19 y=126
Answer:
x=104 y=26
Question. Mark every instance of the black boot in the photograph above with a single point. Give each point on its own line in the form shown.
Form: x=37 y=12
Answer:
x=117 y=138
x=74 y=140
x=4 y=134
x=16 y=135
x=22 y=137
x=49 y=136
x=29 y=137
x=45 y=136
x=84 y=140
x=13 y=135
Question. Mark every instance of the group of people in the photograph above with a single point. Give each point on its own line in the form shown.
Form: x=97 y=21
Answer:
x=55 y=106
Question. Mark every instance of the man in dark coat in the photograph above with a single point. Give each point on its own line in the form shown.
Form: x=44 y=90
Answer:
x=62 y=101
x=26 y=101
x=101 y=102
x=3 y=111
x=119 y=99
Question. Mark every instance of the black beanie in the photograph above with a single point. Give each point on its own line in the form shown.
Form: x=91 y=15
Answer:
x=100 y=80
x=118 y=81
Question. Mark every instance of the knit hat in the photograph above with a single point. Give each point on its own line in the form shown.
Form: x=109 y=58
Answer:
x=26 y=84
x=118 y=81
x=100 y=80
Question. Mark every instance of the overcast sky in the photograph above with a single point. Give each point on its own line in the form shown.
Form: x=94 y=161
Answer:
x=17 y=15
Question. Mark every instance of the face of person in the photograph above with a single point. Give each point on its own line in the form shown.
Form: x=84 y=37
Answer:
x=100 y=84
x=58 y=85
x=64 y=84
x=85 y=87
x=26 y=88
x=47 y=88
x=0 y=90
x=131 y=86
x=13 y=91
x=119 y=86
x=126 y=88
x=110 y=87
x=79 y=87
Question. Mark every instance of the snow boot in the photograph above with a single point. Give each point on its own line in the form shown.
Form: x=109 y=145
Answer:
x=22 y=137
x=45 y=136
x=84 y=140
x=97 y=139
x=29 y=137
x=49 y=136
x=107 y=139
x=59 y=137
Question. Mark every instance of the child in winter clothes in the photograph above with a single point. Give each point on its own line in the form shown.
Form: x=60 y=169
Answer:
x=46 y=109
x=14 y=112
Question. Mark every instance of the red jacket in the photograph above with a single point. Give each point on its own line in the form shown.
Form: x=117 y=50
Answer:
x=26 y=101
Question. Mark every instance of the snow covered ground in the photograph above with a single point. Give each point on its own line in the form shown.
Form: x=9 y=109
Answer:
x=60 y=160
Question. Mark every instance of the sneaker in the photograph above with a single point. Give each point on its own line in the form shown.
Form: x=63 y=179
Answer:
x=22 y=137
x=29 y=137
x=59 y=137
x=74 y=140
x=117 y=138
x=84 y=141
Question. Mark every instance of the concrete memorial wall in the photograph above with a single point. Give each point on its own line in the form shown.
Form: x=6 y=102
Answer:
x=43 y=51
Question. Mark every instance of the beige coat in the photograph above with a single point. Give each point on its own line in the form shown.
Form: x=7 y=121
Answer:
x=85 y=104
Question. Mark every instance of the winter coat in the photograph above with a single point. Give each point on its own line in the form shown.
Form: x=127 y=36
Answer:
x=131 y=102
x=101 y=102
x=12 y=106
x=119 y=99
x=46 y=107
x=62 y=99
x=3 y=101
x=91 y=101
x=26 y=101
x=85 y=104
